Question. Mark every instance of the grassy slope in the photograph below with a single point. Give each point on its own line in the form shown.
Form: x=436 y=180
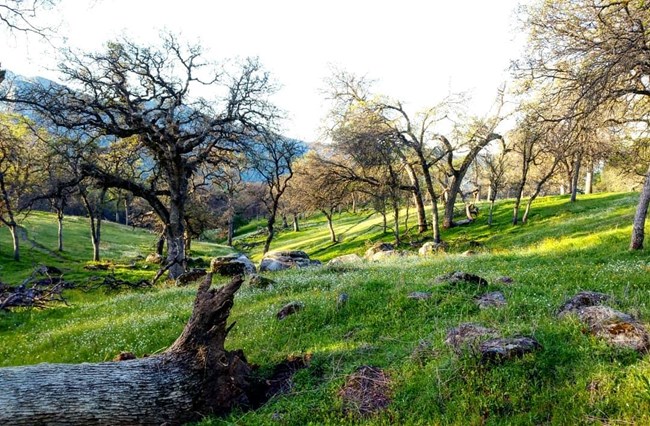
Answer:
x=565 y=248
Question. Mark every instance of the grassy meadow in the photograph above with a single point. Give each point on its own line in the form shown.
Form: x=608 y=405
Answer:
x=565 y=248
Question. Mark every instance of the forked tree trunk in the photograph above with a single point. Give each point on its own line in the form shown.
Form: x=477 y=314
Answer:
x=195 y=377
x=638 y=227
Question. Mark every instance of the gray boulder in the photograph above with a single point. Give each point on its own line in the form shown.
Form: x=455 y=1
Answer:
x=280 y=260
x=430 y=248
x=231 y=265
x=378 y=247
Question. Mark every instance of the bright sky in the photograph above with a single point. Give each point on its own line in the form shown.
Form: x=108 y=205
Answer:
x=417 y=50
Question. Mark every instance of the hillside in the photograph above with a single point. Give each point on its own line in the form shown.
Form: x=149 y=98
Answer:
x=574 y=379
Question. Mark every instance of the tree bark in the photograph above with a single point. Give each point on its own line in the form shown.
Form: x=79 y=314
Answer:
x=638 y=226
x=417 y=198
x=589 y=178
x=195 y=377
x=296 y=226
x=575 y=176
x=59 y=233
x=489 y=221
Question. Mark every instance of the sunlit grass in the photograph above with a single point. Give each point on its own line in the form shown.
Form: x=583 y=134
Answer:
x=565 y=248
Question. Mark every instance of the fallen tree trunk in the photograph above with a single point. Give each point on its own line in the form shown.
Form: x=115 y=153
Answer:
x=195 y=377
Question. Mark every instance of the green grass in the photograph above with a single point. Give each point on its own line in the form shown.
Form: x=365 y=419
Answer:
x=565 y=248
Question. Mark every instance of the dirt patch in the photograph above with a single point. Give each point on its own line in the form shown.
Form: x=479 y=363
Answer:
x=366 y=391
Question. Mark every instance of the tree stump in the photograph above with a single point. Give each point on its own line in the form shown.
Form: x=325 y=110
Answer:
x=195 y=377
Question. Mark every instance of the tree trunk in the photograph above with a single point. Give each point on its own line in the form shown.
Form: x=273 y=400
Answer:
x=575 y=177
x=452 y=194
x=638 y=226
x=195 y=377
x=518 y=196
x=489 y=221
x=296 y=227
x=95 y=236
x=231 y=229
x=417 y=198
x=271 y=233
x=435 y=223
x=13 y=229
x=160 y=244
x=187 y=238
x=59 y=219
x=589 y=179
x=396 y=221
x=285 y=223
x=330 y=225
x=126 y=211
x=175 y=236
x=384 y=223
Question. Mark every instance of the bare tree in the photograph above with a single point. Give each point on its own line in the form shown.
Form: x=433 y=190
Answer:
x=148 y=93
x=273 y=159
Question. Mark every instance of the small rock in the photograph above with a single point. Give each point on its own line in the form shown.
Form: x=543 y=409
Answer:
x=154 y=258
x=342 y=300
x=617 y=328
x=495 y=299
x=468 y=253
x=289 y=309
x=582 y=300
x=459 y=277
x=259 y=281
x=505 y=280
x=501 y=349
x=419 y=295
x=467 y=337
x=190 y=277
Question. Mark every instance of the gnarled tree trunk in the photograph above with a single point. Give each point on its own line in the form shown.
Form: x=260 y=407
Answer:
x=195 y=377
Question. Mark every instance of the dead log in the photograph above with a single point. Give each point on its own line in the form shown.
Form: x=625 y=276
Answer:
x=195 y=377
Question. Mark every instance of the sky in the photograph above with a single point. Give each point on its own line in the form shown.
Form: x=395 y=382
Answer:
x=417 y=51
